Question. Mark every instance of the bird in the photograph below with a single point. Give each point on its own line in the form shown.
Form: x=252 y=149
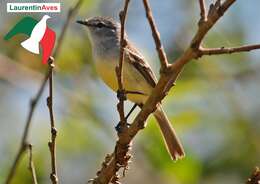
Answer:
x=32 y=43
x=138 y=76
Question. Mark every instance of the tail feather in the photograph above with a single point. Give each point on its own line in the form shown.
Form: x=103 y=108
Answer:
x=172 y=142
x=31 y=45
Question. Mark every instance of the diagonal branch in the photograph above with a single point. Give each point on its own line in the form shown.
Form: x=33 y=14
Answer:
x=24 y=143
x=35 y=100
x=216 y=11
x=228 y=50
x=156 y=36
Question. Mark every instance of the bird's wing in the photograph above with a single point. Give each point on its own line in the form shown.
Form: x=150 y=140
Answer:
x=138 y=61
x=24 y=26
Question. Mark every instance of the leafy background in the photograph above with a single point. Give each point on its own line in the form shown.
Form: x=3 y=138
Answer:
x=214 y=107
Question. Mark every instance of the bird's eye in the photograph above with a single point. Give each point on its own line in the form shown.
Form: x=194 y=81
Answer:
x=100 y=25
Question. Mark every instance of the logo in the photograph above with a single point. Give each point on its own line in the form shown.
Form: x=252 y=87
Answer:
x=39 y=35
x=33 y=7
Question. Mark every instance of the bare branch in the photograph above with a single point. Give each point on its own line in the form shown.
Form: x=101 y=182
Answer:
x=216 y=11
x=52 y=143
x=24 y=143
x=119 y=69
x=156 y=36
x=120 y=157
x=255 y=177
x=203 y=16
x=31 y=165
x=229 y=50
x=35 y=100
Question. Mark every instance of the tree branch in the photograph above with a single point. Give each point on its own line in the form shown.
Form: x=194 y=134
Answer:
x=230 y=50
x=52 y=143
x=203 y=17
x=35 y=100
x=24 y=143
x=120 y=156
x=31 y=165
x=119 y=69
x=156 y=36
x=216 y=11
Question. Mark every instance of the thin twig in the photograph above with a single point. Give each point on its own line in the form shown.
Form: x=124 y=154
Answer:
x=31 y=165
x=160 y=91
x=156 y=36
x=35 y=100
x=255 y=177
x=24 y=142
x=121 y=161
x=119 y=69
x=121 y=156
x=229 y=50
x=52 y=143
x=216 y=11
x=203 y=16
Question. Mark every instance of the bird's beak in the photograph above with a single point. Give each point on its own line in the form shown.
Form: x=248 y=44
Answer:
x=83 y=22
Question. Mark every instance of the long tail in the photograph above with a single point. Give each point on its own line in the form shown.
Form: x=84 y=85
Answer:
x=31 y=45
x=172 y=142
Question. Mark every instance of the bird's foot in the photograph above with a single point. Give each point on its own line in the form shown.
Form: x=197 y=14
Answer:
x=121 y=95
x=120 y=127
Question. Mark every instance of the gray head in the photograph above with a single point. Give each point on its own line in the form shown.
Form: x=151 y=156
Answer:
x=102 y=27
x=104 y=32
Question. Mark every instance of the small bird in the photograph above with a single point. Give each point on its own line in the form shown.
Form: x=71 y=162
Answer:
x=32 y=43
x=137 y=74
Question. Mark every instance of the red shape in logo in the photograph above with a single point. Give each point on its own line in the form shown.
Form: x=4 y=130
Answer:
x=47 y=44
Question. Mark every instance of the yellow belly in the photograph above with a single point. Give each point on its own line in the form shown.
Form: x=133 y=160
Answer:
x=132 y=80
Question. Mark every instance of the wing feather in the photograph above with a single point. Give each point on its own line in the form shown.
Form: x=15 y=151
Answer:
x=138 y=61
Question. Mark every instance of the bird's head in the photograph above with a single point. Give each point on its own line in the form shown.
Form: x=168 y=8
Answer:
x=101 y=28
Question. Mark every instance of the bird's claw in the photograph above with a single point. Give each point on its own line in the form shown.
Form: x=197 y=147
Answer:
x=119 y=127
